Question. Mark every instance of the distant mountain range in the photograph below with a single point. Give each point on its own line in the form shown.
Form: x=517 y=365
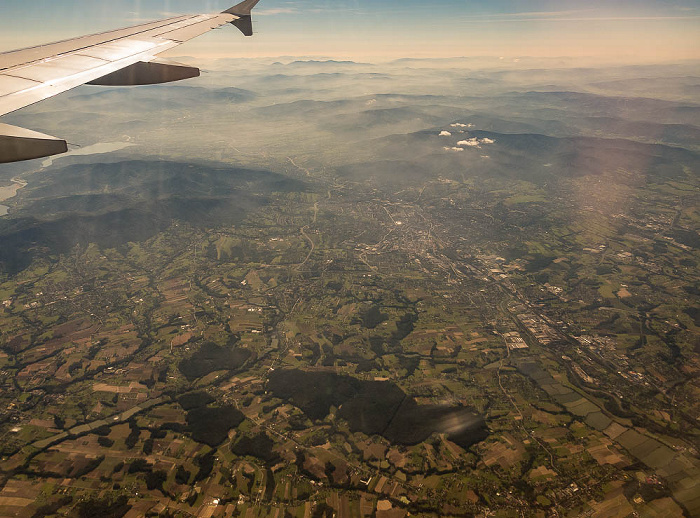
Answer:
x=533 y=157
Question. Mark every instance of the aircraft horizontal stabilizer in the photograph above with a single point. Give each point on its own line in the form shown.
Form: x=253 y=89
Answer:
x=17 y=144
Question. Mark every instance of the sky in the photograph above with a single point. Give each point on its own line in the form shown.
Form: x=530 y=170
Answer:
x=372 y=30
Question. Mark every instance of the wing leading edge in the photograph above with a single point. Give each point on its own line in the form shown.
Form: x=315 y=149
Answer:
x=123 y=57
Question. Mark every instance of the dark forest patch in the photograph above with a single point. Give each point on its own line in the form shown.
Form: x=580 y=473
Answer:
x=404 y=327
x=103 y=507
x=375 y=407
x=538 y=262
x=210 y=425
x=210 y=358
x=259 y=446
x=693 y=313
x=194 y=400
x=372 y=317
x=686 y=237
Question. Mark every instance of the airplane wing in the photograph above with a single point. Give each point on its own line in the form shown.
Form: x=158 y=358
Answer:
x=116 y=58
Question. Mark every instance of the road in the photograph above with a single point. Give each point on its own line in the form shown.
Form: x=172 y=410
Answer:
x=313 y=247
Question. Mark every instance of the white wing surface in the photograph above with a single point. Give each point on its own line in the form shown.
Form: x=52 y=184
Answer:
x=116 y=58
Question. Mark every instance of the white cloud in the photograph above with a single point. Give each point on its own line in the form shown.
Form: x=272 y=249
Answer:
x=460 y=125
x=276 y=10
x=475 y=142
x=445 y=134
x=455 y=149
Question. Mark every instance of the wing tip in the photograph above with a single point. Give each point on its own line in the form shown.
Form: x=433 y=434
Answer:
x=242 y=9
x=244 y=20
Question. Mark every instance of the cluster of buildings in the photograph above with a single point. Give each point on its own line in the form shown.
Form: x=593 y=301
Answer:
x=536 y=325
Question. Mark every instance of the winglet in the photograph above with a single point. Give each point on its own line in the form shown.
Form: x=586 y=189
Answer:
x=243 y=9
x=244 y=22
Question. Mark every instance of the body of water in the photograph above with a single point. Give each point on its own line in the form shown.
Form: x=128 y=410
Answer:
x=8 y=192
x=95 y=149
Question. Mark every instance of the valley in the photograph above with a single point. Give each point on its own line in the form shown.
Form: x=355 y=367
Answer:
x=425 y=299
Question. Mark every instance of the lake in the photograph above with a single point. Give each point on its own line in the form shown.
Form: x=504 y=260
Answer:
x=94 y=149
x=8 y=192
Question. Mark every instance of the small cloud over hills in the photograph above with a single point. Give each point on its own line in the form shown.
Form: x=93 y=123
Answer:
x=475 y=142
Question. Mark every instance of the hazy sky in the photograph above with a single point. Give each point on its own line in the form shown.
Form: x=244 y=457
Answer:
x=628 y=30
